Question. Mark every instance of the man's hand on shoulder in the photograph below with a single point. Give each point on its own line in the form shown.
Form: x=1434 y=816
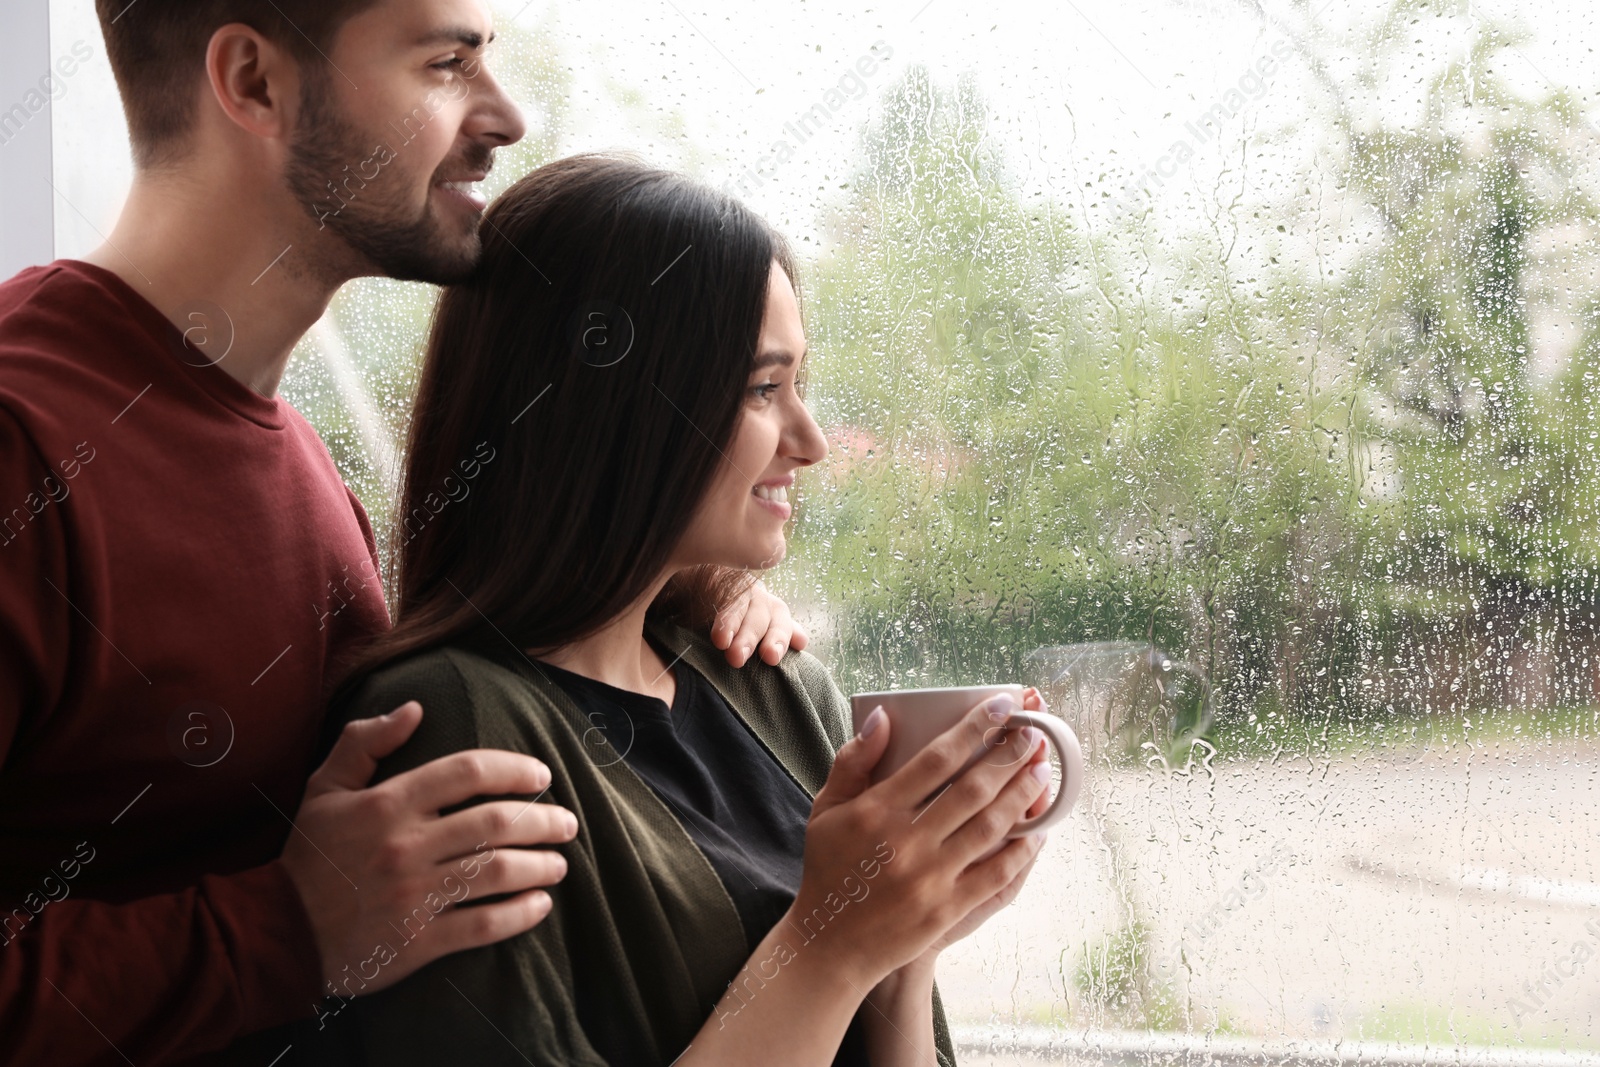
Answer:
x=755 y=618
x=380 y=870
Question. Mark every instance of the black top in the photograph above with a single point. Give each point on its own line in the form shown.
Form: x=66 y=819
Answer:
x=737 y=803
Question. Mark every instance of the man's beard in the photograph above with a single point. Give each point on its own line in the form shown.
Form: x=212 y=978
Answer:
x=372 y=216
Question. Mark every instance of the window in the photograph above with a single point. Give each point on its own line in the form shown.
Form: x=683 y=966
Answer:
x=1233 y=372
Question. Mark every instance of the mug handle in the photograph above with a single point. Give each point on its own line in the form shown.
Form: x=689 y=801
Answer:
x=1069 y=752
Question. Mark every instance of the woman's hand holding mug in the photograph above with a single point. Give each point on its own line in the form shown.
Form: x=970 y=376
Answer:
x=909 y=864
x=1039 y=763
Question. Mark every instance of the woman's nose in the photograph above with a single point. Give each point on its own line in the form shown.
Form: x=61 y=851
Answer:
x=810 y=444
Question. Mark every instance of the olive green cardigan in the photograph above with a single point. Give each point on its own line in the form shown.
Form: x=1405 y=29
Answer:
x=641 y=918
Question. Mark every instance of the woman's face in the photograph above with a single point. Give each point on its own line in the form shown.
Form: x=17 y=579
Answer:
x=740 y=521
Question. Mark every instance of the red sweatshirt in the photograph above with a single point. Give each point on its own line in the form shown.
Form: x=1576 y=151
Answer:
x=180 y=566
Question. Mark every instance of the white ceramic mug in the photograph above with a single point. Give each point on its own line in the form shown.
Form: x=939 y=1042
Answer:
x=917 y=716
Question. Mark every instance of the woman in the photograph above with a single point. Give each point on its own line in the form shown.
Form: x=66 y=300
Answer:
x=629 y=354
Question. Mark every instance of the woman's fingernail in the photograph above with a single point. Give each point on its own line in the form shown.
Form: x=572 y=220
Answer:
x=1038 y=837
x=874 y=721
x=1001 y=707
x=1041 y=773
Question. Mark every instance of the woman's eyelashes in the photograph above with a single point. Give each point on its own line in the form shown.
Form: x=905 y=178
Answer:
x=765 y=390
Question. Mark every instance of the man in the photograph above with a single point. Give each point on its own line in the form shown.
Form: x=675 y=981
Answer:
x=182 y=569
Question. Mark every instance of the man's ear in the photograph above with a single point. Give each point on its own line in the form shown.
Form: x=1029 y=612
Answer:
x=252 y=80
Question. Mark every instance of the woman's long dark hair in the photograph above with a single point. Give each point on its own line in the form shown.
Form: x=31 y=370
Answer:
x=575 y=400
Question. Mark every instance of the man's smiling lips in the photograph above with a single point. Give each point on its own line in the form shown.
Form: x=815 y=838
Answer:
x=466 y=191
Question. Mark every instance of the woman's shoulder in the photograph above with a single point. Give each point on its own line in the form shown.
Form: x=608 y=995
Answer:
x=798 y=670
x=799 y=685
x=447 y=675
x=460 y=692
x=809 y=675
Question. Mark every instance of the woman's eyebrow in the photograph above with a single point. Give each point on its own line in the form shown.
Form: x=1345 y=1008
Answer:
x=775 y=358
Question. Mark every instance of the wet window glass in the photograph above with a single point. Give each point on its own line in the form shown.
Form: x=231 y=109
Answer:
x=1229 y=371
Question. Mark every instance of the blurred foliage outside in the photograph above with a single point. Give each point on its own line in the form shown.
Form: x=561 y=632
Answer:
x=1342 y=467
x=1338 y=493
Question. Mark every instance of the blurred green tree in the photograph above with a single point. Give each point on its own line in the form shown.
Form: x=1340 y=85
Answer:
x=1334 y=493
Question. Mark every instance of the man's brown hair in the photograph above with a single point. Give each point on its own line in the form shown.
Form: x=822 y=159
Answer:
x=157 y=50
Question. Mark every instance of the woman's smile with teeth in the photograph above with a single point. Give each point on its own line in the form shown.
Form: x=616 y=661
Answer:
x=778 y=494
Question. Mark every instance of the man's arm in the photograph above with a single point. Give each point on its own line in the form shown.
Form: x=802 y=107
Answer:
x=176 y=974
x=85 y=981
x=158 y=978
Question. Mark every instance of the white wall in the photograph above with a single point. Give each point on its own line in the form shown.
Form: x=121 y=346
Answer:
x=27 y=82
